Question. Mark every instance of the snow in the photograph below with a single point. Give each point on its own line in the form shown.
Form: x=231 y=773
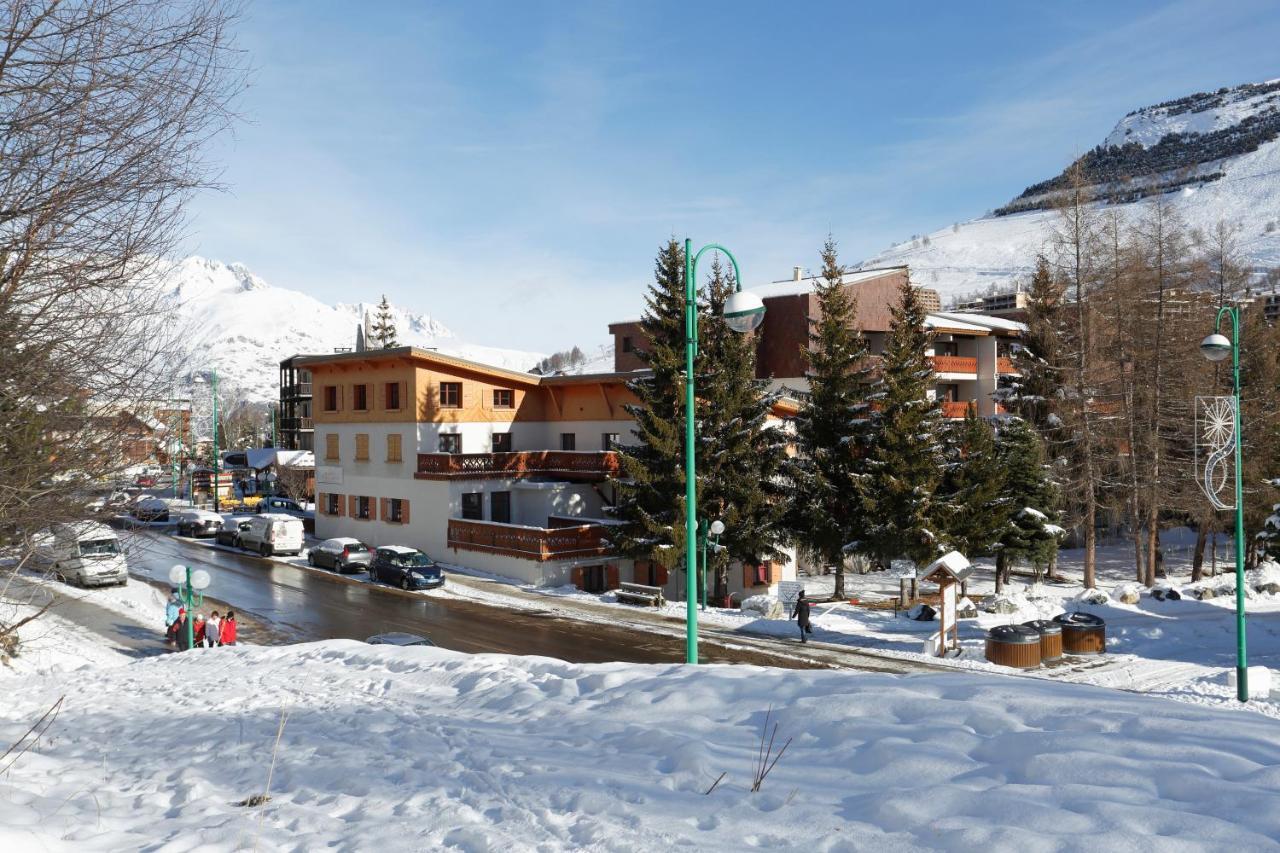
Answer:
x=492 y=752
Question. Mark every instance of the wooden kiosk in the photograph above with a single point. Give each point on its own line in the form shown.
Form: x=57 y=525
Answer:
x=949 y=572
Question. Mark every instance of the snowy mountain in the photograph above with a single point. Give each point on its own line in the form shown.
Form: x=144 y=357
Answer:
x=1215 y=155
x=242 y=326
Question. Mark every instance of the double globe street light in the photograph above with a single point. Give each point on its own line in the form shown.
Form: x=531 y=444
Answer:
x=743 y=312
x=192 y=586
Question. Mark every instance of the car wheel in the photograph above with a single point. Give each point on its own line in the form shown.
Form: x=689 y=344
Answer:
x=264 y=549
x=404 y=584
x=311 y=560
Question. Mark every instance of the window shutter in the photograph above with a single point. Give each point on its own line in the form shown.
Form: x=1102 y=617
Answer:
x=611 y=575
x=382 y=508
x=576 y=576
x=405 y=405
x=322 y=503
x=353 y=506
x=748 y=577
x=775 y=572
x=404 y=510
x=339 y=506
x=661 y=575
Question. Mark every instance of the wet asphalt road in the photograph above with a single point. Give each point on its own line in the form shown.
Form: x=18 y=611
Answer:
x=298 y=604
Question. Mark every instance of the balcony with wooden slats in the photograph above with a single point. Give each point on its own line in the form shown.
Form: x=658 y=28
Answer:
x=1004 y=365
x=530 y=543
x=954 y=364
x=561 y=464
x=955 y=408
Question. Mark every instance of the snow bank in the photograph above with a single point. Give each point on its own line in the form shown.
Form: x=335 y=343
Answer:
x=423 y=749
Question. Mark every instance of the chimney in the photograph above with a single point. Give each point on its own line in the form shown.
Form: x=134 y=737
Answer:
x=797 y=273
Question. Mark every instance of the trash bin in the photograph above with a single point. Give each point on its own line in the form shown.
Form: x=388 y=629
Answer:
x=1082 y=633
x=1050 y=638
x=1014 y=645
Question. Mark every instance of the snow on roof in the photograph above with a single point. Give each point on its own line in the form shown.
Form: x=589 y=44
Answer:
x=986 y=320
x=953 y=563
x=791 y=287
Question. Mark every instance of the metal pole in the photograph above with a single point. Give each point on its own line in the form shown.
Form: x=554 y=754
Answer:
x=702 y=570
x=1242 y=666
x=690 y=469
x=187 y=595
x=214 y=385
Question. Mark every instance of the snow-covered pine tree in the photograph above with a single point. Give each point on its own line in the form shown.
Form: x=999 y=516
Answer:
x=740 y=460
x=651 y=491
x=1037 y=387
x=1031 y=534
x=904 y=460
x=1269 y=538
x=825 y=516
x=384 y=326
x=970 y=507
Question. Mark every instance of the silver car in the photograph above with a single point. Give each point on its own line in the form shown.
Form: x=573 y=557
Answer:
x=342 y=554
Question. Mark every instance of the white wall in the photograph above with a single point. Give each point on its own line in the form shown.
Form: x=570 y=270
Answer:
x=525 y=435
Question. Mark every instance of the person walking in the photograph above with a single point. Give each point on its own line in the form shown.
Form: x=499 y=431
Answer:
x=181 y=631
x=802 y=616
x=171 y=610
x=212 y=630
x=197 y=630
x=227 y=631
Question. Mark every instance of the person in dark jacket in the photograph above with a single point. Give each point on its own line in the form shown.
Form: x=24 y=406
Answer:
x=802 y=616
x=181 y=638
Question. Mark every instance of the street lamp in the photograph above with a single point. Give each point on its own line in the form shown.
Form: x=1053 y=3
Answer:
x=193 y=585
x=1217 y=347
x=213 y=383
x=716 y=528
x=743 y=312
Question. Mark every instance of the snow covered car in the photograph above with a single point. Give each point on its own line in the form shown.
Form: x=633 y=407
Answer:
x=342 y=554
x=85 y=553
x=398 y=638
x=199 y=522
x=405 y=567
x=151 y=509
x=230 y=532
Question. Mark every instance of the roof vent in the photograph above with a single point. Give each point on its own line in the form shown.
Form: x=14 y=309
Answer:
x=797 y=273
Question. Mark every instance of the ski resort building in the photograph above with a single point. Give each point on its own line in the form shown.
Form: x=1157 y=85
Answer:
x=487 y=468
x=970 y=352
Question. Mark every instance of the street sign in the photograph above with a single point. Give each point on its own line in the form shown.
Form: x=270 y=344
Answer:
x=788 y=593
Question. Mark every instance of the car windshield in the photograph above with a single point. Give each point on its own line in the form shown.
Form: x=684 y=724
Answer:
x=414 y=560
x=99 y=548
x=355 y=546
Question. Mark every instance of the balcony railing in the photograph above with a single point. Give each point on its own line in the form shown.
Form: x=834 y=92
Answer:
x=955 y=408
x=529 y=543
x=525 y=463
x=954 y=364
x=1004 y=364
x=297 y=423
x=301 y=389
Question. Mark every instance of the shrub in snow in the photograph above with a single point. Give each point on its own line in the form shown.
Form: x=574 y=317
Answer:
x=1269 y=538
x=766 y=606
x=1127 y=593
x=1265 y=578
x=1003 y=603
x=1165 y=593
x=966 y=609
x=1093 y=596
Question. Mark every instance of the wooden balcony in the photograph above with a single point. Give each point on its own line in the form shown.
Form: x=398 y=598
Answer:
x=562 y=464
x=529 y=543
x=954 y=364
x=1004 y=364
x=955 y=408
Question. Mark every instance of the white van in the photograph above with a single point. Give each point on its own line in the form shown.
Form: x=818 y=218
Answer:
x=86 y=553
x=273 y=533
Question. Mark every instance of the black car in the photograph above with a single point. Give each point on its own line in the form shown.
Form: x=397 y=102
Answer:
x=405 y=567
x=230 y=533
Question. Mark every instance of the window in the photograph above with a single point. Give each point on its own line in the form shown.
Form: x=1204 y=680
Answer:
x=395 y=511
x=946 y=348
x=626 y=343
x=473 y=505
x=500 y=507
x=331 y=446
x=609 y=441
x=362 y=447
x=504 y=398
x=331 y=398
x=333 y=504
x=502 y=442
x=393 y=396
x=360 y=395
x=393 y=447
x=568 y=441
x=451 y=395
x=450 y=442
x=363 y=505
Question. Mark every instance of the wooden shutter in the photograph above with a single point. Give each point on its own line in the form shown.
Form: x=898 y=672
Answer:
x=393 y=447
x=576 y=576
x=353 y=506
x=611 y=576
x=661 y=572
x=775 y=572
x=362 y=447
x=383 y=513
x=404 y=510
x=404 y=399
x=748 y=577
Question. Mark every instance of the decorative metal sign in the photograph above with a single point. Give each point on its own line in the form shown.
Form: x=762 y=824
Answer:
x=1216 y=448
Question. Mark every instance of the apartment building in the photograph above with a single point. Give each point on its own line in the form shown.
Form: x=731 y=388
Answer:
x=296 y=429
x=970 y=351
x=479 y=466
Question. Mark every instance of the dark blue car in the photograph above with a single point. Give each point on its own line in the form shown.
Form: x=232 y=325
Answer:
x=405 y=567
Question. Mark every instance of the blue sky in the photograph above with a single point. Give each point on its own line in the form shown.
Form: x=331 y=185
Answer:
x=511 y=167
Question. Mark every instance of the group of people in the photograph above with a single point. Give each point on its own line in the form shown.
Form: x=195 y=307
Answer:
x=215 y=631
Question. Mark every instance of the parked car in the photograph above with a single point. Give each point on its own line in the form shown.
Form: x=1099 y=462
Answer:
x=272 y=533
x=147 y=481
x=288 y=506
x=151 y=509
x=199 y=522
x=407 y=568
x=230 y=532
x=398 y=638
x=85 y=553
x=342 y=554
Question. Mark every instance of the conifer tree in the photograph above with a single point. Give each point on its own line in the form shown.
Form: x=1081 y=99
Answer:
x=1037 y=385
x=904 y=459
x=740 y=460
x=384 y=326
x=1031 y=534
x=825 y=516
x=972 y=509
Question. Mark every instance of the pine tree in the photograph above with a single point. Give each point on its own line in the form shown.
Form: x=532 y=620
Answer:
x=1037 y=387
x=384 y=326
x=1031 y=533
x=972 y=509
x=651 y=493
x=830 y=427
x=905 y=459
x=740 y=460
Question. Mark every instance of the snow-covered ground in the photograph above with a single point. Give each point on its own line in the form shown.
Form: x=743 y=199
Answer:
x=424 y=749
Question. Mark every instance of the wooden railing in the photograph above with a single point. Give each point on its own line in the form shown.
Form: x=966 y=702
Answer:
x=562 y=463
x=1004 y=364
x=955 y=408
x=954 y=364
x=530 y=543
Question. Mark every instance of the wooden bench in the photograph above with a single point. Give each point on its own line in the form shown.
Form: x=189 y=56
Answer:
x=637 y=593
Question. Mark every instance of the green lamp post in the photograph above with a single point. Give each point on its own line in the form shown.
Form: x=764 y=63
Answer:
x=743 y=312
x=213 y=390
x=192 y=586
x=1217 y=347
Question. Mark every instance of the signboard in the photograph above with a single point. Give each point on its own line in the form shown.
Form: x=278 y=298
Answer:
x=788 y=592
x=330 y=475
x=949 y=604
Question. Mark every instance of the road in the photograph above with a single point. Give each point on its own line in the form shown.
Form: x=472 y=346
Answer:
x=303 y=604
